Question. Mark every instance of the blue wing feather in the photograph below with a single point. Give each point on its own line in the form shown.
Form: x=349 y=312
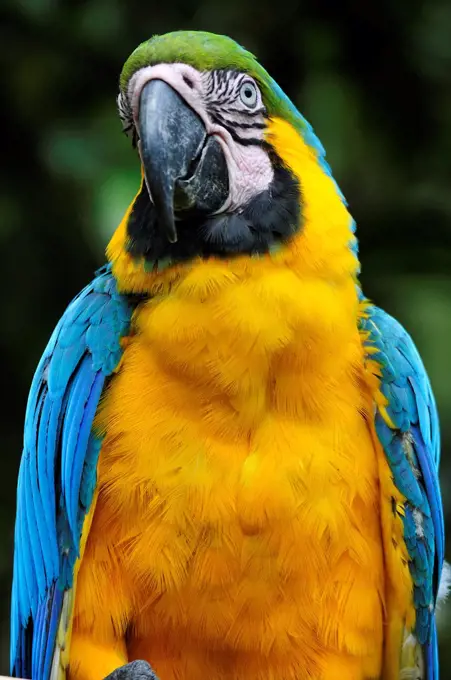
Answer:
x=81 y=447
x=39 y=637
x=412 y=448
x=80 y=391
x=57 y=474
x=46 y=487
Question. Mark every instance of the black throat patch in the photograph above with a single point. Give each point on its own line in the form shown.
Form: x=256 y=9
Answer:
x=266 y=222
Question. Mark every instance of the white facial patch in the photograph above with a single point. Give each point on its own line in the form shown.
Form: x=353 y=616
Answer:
x=230 y=106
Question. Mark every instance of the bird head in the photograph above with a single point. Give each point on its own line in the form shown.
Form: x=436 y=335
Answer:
x=222 y=153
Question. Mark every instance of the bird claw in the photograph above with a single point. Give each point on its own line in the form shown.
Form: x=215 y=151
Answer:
x=135 y=670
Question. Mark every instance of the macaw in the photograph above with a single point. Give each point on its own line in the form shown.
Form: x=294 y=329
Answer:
x=230 y=454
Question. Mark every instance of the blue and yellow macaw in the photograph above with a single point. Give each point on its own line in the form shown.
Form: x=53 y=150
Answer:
x=230 y=455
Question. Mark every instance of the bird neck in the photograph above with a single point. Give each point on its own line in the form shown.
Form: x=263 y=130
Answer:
x=325 y=247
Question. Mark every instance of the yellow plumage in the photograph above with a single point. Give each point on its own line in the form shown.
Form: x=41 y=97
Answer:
x=241 y=490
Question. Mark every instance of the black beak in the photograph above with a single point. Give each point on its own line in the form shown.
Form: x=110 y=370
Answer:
x=185 y=170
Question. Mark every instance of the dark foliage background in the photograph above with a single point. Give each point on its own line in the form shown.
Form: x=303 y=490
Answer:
x=373 y=78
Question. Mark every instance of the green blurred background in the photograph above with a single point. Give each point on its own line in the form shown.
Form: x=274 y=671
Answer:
x=374 y=79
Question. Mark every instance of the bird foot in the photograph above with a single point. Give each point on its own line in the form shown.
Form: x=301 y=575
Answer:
x=136 y=670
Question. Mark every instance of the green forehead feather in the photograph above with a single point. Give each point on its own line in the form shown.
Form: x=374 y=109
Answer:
x=208 y=51
x=204 y=51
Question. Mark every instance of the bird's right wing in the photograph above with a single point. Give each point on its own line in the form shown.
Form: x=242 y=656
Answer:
x=57 y=476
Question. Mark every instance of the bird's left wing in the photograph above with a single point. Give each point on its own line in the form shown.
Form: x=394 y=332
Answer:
x=57 y=474
x=408 y=429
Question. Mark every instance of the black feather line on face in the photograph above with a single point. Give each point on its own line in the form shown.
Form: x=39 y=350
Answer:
x=266 y=222
x=220 y=117
x=230 y=127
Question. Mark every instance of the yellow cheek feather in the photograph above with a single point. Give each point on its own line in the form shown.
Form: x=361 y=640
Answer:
x=244 y=521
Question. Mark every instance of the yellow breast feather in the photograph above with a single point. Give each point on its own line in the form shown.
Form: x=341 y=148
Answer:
x=238 y=483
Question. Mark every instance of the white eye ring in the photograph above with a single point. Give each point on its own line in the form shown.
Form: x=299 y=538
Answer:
x=249 y=94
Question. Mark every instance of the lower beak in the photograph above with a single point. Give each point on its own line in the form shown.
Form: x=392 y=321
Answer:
x=184 y=169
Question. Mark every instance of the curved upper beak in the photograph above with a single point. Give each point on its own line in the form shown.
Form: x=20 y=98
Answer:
x=183 y=168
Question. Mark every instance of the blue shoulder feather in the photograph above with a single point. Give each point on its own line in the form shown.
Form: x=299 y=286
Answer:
x=412 y=448
x=57 y=474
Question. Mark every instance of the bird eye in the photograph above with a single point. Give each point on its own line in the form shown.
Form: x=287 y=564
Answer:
x=249 y=94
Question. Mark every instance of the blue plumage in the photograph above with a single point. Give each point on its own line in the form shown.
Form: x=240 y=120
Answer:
x=413 y=452
x=58 y=469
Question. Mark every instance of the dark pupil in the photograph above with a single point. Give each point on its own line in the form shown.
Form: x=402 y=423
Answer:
x=248 y=92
